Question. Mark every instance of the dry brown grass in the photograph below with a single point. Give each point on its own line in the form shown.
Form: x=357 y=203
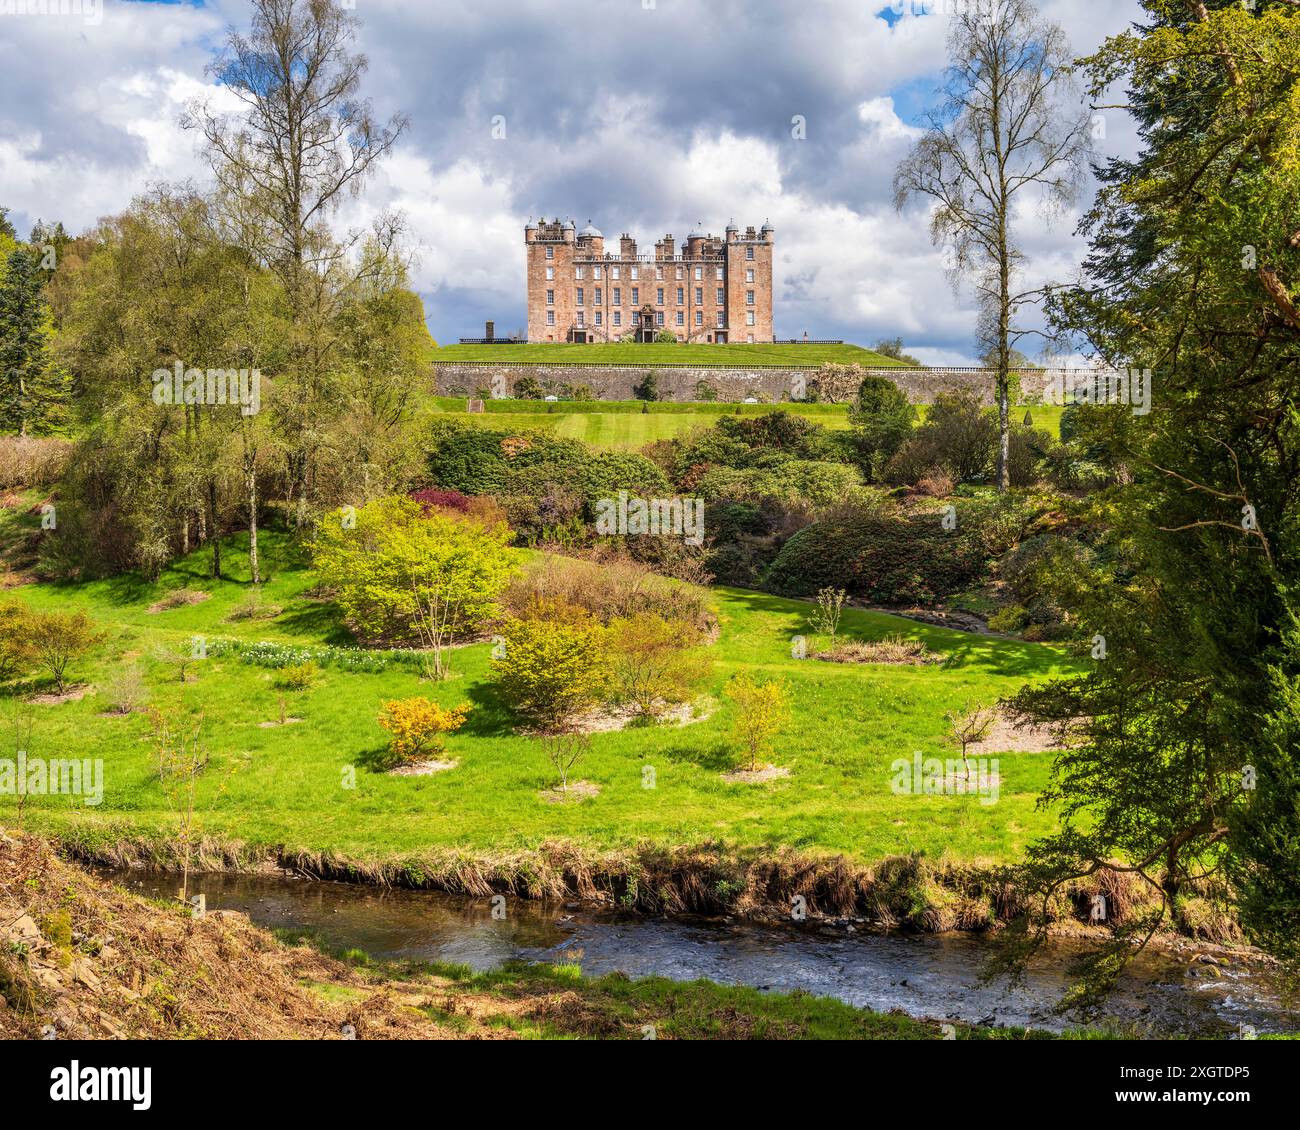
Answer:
x=27 y=462
x=891 y=649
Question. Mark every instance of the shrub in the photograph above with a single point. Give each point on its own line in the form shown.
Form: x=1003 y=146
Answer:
x=126 y=690
x=564 y=750
x=882 y=419
x=554 y=664
x=762 y=708
x=29 y=462
x=441 y=500
x=417 y=726
x=958 y=435
x=297 y=676
x=15 y=652
x=654 y=663
x=886 y=557
x=609 y=587
x=252 y=607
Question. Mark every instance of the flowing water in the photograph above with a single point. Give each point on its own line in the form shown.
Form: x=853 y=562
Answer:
x=932 y=975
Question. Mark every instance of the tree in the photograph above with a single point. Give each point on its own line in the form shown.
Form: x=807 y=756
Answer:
x=967 y=728
x=647 y=388
x=564 y=749
x=304 y=139
x=553 y=666
x=762 y=708
x=830 y=607
x=1186 y=725
x=882 y=419
x=893 y=347
x=56 y=640
x=399 y=572
x=654 y=663
x=34 y=389
x=1010 y=126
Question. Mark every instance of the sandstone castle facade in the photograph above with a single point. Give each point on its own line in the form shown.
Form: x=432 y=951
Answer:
x=712 y=291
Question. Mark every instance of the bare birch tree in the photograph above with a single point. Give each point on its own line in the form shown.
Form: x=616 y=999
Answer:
x=1011 y=124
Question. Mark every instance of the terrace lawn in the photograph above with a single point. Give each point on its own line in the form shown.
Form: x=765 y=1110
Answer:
x=627 y=425
x=849 y=724
x=657 y=353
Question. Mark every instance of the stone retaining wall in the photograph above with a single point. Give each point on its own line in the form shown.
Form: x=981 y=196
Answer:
x=616 y=382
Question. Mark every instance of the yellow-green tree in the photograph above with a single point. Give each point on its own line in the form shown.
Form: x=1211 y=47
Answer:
x=762 y=708
x=654 y=663
x=401 y=574
x=553 y=665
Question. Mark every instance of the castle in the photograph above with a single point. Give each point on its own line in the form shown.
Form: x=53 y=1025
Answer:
x=715 y=290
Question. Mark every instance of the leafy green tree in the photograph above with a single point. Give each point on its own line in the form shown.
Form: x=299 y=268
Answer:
x=882 y=419
x=399 y=573
x=1186 y=726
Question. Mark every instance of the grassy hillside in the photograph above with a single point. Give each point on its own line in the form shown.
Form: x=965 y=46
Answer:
x=281 y=784
x=655 y=353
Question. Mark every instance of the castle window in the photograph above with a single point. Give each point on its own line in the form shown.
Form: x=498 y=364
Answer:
x=581 y=316
x=749 y=318
x=636 y=296
x=659 y=318
x=722 y=296
x=550 y=317
x=681 y=318
x=699 y=272
x=749 y=338
x=722 y=321
x=550 y=298
x=681 y=295
x=595 y=272
x=749 y=275
x=577 y=272
x=659 y=296
x=579 y=296
x=699 y=296
x=718 y=273
x=550 y=252
x=749 y=298
x=597 y=296
x=618 y=317
x=699 y=317
x=613 y=272
x=659 y=272
x=598 y=322
x=550 y=273
x=634 y=272
x=618 y=296
x=679 y=272
x=749 y=252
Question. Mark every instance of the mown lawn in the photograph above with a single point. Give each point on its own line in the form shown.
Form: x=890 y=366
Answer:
x=627 y=425
x=657 y=353
x=284 y=784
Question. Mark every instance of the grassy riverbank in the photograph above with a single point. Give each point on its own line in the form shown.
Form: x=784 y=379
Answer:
x=88 y=960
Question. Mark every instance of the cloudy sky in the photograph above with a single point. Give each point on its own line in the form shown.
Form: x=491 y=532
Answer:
x=645 y=116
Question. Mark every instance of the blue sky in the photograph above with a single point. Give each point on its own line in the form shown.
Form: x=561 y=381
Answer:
x=644 y=120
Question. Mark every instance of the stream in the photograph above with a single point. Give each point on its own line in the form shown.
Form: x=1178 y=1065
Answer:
x=930 y=975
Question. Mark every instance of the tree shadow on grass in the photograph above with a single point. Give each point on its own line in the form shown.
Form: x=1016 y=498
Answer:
x=717 y=757
x=491 y=717
x=316 y=620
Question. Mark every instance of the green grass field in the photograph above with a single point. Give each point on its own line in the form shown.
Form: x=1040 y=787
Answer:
x=273 y=785
x=627 y=425
x=656 y=353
